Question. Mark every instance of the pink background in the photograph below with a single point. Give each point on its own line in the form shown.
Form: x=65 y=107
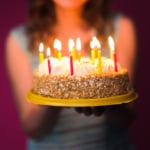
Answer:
x=13 y=13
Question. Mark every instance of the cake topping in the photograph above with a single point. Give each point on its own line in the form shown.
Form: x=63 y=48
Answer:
x=79 y=65
x=81 y=68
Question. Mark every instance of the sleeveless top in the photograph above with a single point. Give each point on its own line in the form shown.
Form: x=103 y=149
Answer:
x=75 y=131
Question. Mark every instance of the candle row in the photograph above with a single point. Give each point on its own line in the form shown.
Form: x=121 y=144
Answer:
x=95 y=52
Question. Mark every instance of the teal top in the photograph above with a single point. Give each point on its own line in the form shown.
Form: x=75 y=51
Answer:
x=75 y=131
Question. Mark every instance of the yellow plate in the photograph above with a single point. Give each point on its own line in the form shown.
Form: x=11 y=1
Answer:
x=113 y=100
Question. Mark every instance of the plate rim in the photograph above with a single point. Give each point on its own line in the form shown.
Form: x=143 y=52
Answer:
x=113 y=100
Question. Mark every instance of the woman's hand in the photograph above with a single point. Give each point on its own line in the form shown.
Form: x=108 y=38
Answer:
x=123 y=114
x=97 y=111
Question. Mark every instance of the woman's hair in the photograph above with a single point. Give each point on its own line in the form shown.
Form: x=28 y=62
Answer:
x=41 y=18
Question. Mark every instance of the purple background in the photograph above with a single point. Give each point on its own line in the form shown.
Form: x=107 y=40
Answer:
x=13 y=13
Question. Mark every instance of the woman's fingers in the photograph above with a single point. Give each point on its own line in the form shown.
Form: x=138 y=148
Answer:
x=97 y=111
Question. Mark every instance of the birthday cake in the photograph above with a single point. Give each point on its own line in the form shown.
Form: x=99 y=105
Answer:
x=86 y=81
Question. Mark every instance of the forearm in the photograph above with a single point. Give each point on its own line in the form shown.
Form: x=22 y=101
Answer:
x=36 y=120
x=122 y=115
x=39 y=121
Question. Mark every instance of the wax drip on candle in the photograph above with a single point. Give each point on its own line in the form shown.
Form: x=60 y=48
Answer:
x=48 y=60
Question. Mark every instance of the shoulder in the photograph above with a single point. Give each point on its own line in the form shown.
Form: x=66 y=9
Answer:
x=123 y=24
x=18 y=36
x=18 y=30
x=16 y=40
x=122 y=19
x=127 y=31
x=124 y=29
x=19 y=33
x=126 y=25
x=14 y=51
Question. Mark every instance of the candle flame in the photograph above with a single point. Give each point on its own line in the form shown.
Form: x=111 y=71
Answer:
x=111 y=43
x=41 y=47
x=98 y=45
x=94 y=38
x=78 y=44
x=48 y=52
x=95 y=43
x=92 y=45
x=57 y=44
x=70 y=44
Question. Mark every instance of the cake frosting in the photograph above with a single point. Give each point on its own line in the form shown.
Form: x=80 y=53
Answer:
x=81 y=68
x=86 y=82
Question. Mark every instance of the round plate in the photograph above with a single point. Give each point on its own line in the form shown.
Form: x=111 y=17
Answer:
x=113 y=100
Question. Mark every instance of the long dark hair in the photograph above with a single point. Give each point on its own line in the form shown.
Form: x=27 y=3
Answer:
x=42 y=16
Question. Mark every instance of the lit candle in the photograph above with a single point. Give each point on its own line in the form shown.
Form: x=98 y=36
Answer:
x=112 y=47
x=55 y=47
x=96 y=42
x=113 y=55
x=58 y=46
x=41 y=55
x=78 y=48
x=70 y=56
x=73 y=50
x=48 y=60
x=99 y=65
x=115 y=62
x=94 y=48
x=92 y=51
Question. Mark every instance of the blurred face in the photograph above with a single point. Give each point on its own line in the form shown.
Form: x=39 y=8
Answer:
x=70 y=3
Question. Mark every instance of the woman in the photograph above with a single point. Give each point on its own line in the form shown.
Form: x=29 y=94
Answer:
x=62 y=128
